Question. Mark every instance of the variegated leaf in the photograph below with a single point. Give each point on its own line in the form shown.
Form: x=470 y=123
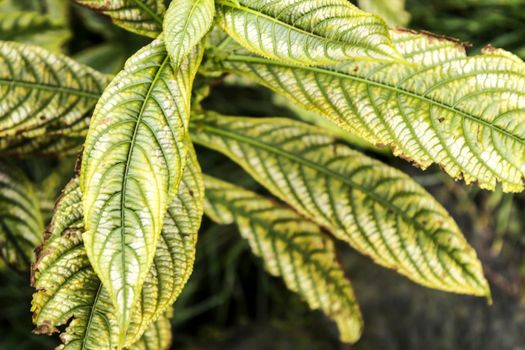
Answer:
x=143 y=17
x=377 y=209
x=464 y=113
x=292 y=248
x=69 y=292
x=132 y=164
x=307 y=32
x=21 y=223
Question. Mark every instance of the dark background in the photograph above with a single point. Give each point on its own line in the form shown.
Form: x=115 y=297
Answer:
x=231 y=303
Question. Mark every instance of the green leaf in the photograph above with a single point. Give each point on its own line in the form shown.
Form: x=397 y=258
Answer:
x=132 y=165
x=157 y=336
x=392 y=11
x=66 y=285
x=186 y=23
x=69 y=291
x=306 y=32
x=40 y=146
x=292 y=248
x=465 y=3
x=143 y=17
x=42 y=96
x=44 y=93
x=21 y=223
x=33 y=28
x=464 y=113
x=378 y=210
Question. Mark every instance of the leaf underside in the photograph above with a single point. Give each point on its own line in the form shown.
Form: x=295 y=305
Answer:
x=464 y=113
x=290 y=247
x=69 y=292
x=132 y=164
x=378 y=210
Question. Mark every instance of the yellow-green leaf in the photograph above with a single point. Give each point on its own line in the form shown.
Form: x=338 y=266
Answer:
x=21 y=223
x=186 y=23
x=143 y=17
x=464 y=113
x=40 y=146
x=131 y=168
x=44 y=93
x=306 y=32
x=157 y=336
x=292 y=248
x=378 y=210
x=68 y=292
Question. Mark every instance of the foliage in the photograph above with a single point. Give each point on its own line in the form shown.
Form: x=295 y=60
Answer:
x=21 y=223
x=121 y=243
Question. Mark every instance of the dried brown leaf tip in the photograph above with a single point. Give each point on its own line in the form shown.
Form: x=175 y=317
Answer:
x=45 y=328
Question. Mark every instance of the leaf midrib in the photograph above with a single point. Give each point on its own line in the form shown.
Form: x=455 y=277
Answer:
x=396 y=89
x=48 y=87
x=271 y=19
x=91 y=315
x=272 y=149
x=287 y=25
x=128 y=162
x=12 y=238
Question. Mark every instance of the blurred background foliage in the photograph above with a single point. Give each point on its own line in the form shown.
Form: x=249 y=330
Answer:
x=230 y=302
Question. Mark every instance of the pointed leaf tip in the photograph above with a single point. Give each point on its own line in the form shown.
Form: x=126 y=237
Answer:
x=132 y=164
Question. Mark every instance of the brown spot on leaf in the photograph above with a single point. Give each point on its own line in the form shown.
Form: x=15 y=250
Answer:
x=488 y=49
x=45 y=328
x=106 y=121
x=461 y=45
